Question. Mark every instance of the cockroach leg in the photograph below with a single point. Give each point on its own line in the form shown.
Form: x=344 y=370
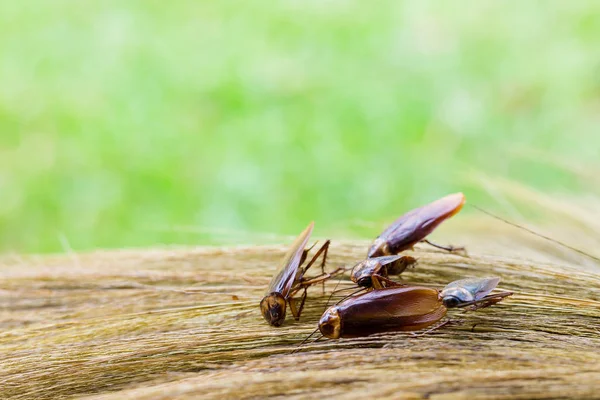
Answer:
x=293 y=309
x=296 y=311
x=449 y=249
x=485 y=302
x=378 y=282
x=318 y=279
x=305 y=253
x=492 y=299
x=301 y=304
x=323 y=249
x=428 y=331
x=326 y=245
x=304 y=285
x=448 y=322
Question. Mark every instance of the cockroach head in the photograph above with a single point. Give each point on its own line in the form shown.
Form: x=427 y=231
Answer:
x=273 y=308
x=451 y=301
x=361 y=274
x=330 y=323
x=378 y=248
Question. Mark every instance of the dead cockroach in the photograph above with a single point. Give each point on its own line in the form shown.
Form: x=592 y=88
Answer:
x=405 y=308
x=290 y=280
x=403 y=234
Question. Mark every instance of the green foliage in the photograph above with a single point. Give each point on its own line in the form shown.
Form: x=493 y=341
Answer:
x=122 y=120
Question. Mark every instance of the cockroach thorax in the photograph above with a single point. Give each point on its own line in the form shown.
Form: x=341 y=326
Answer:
x=273 y=308
x=330 y=324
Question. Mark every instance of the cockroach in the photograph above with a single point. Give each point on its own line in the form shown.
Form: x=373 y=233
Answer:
x=411 y=228
x=391 y=309
x=372 y=273
x=415 y=226
x=290 y=280
x=405 y=308
x=473 y=293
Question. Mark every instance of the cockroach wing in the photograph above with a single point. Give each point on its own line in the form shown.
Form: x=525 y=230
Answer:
x=478 y=288
x=417 y=224
x=362 y=273
x=395 y=301
x=390 y=309
x=385 y=260
x=283 y=281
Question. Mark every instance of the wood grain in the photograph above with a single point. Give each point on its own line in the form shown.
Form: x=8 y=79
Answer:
x=185 y=323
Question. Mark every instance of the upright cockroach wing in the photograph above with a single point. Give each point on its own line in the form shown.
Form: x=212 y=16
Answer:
x=290 y=280
x=415 y=226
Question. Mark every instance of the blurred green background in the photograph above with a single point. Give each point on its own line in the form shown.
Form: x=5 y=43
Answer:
x=146 y=122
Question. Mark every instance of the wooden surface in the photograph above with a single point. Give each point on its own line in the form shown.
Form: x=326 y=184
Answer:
x=185 y=323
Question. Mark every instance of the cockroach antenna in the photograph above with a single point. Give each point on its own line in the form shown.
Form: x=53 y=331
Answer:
x=537 y=234
x=351 y=294
x=339 y=291
x=304 y=341
x=335 y=290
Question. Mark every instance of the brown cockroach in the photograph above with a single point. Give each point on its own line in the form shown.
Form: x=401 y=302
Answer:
x=405 y=308
x=411 y=228
x=415 y=226
x=372 y=273
x=290 y=280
